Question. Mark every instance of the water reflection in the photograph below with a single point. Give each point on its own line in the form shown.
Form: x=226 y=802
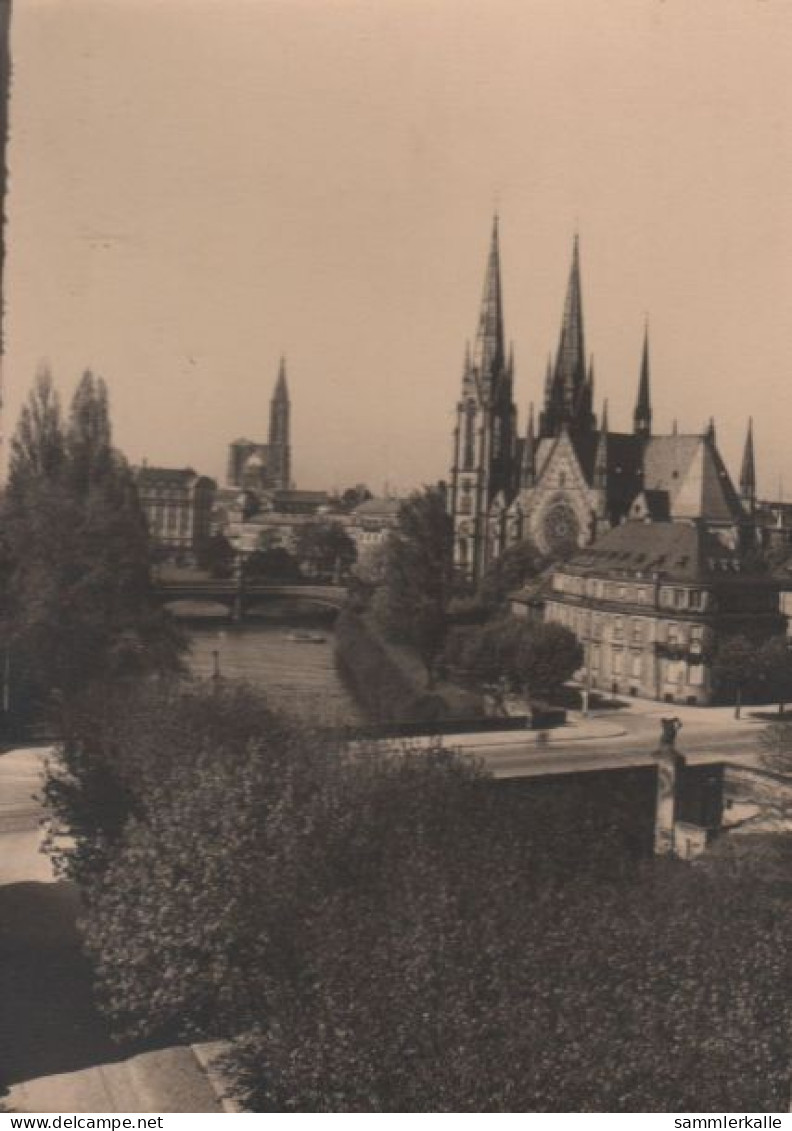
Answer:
x=294 y=666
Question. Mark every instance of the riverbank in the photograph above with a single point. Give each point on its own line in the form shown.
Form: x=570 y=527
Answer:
x=389 y=682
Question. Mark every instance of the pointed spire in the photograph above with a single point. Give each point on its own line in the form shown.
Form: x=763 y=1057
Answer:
x=570 y=370
x=549 y=378
x=675 y=427
x=601 y=458
x=281 y=388
x=642 y=417
x=528 y=470
x=488 y=352
x=710 y=430
x=748 y=470
x=566 y=399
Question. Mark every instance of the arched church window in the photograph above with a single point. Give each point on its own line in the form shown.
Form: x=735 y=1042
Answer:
x=463 y=552
x=469 y=453
x=497 y=438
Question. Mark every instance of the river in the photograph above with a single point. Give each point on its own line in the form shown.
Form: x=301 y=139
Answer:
x=299 y=676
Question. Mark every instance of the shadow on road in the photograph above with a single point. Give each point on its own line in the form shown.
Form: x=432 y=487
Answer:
x=48 y=1023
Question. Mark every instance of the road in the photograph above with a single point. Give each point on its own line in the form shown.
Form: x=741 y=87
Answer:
x=56 y=1052
x=609 y=741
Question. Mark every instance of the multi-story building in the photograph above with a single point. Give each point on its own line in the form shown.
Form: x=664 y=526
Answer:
x=178 y=505
x=372 y=521
x=256 y=466
x=650 y=601
x=570 y=478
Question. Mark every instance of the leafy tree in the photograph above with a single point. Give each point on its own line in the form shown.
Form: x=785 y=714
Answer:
x=38 y=444
x=399 y=933
x=77 y=599
x=90 y=455
x=733 y=670
x=353 y=496
x=324 y=549
x=518 y=564
x=745 y=669
x=216 y=555
x=534 y=658
x=418 y=576
x=276 y=564
x=775 y=670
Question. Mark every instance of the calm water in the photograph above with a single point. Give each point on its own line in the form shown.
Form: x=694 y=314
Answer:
x=298 y=677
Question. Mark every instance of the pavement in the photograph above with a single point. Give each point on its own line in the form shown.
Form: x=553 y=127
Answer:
x=56 y=1051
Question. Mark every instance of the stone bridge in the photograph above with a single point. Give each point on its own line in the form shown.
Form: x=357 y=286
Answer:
x=240 y=600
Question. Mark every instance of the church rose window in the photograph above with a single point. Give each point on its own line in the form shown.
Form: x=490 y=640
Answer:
x=560 y=527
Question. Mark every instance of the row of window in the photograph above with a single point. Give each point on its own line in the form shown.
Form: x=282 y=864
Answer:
x=618 y=662
x=637 y=631
x=670 y=597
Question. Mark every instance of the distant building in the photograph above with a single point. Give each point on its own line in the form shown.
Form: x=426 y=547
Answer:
x=256 y=466
x=569 y=479
x=178 y=505
x=650 y=601
x=372 y=520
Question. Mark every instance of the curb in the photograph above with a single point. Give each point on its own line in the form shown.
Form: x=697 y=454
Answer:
x=207 y=1054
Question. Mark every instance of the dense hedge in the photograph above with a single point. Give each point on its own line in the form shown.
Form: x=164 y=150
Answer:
x=388 y=681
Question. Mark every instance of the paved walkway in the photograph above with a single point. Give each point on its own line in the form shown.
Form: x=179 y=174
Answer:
x=56 y=1051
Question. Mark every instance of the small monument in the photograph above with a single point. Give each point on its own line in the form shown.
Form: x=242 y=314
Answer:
x=669 y=764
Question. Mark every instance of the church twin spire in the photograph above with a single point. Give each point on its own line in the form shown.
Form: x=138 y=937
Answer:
x=489 y=354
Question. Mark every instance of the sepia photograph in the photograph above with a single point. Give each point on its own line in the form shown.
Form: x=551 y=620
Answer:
x=395 y=559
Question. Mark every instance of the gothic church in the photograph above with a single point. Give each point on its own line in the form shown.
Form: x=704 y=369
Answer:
x=255 y=466
x=569 y=478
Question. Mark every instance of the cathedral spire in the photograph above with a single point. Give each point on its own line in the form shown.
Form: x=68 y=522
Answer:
x=571 y=360
x=488 y=352
x=528 y=470
x=567 y=401
x=279 y=428
x=642 y=417
x=748 y=470
x=281 y=388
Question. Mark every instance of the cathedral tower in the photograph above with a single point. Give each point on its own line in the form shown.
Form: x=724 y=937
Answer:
x=279 y=428
x=568 y=390
x=484 y=437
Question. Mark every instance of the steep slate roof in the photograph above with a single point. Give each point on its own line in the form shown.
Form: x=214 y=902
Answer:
x=679 y=551
x=691 y=471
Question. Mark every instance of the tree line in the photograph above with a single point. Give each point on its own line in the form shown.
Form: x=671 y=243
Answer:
x=76 y=602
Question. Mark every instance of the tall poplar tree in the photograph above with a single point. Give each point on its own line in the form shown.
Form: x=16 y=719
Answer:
x=77 y=603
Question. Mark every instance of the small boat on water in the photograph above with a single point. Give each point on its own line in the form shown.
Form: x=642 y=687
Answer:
x=303 y=637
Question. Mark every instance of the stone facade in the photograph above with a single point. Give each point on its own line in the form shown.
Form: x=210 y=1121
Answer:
x=178 y=505
x=650 y=601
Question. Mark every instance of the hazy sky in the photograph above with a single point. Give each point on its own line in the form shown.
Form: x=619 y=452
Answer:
x=200 y=185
